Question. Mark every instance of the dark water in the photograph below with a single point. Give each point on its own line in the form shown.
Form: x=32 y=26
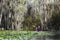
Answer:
x=45 y=38
x=55 y=36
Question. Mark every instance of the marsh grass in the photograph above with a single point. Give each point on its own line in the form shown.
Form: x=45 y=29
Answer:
x=20 y=35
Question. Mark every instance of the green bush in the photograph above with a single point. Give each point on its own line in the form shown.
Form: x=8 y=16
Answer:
x=30 y=22
x=55 y=20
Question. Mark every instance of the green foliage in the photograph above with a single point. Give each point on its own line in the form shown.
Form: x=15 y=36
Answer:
x=30 y=21
x=20 y=8
x=56 y=19
x=20 y=35
x=22 y=1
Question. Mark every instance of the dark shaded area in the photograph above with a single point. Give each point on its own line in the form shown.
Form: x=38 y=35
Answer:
x=29 y=10
x=54 y=36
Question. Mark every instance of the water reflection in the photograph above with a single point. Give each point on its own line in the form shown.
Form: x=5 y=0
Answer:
x=55 y=36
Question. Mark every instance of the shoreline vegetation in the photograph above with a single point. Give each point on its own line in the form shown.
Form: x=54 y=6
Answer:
x=21 y=35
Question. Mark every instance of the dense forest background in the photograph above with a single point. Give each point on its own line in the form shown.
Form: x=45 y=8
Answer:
x=29 y=15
